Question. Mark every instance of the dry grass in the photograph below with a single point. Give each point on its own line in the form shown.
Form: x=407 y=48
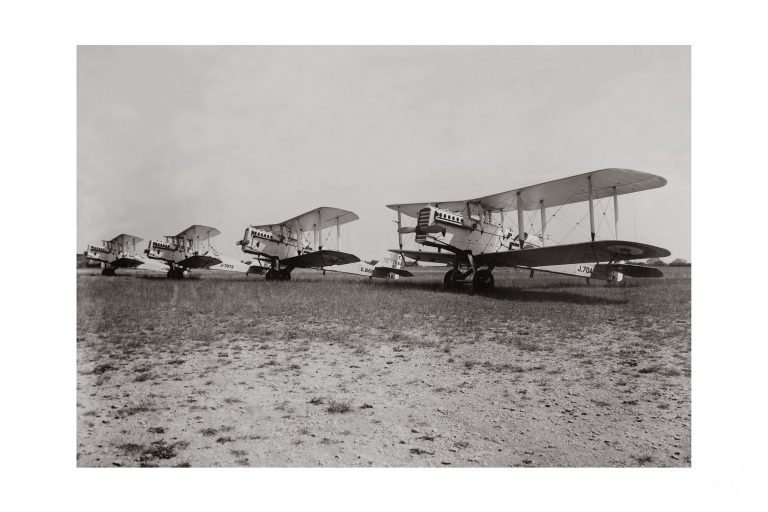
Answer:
x=265 y=356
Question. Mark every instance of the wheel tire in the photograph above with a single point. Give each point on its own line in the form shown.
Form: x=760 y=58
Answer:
x=169 y=275
x=285 y=275
x=272 y=274
x=482 y=280
x=451 y=278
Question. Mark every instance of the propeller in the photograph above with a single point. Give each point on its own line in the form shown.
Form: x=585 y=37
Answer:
x=406 y=230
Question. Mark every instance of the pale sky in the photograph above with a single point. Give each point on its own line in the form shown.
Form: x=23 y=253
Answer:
x=231 y=136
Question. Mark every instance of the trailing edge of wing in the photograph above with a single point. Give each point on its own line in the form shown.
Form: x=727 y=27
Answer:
x=573 y=189
x=585 y=252
x=318 y=259
x=430 y=256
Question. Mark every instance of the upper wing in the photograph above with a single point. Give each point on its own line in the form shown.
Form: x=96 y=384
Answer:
x=199 y=232
x=123 y=238
x=430 y=256
x=412 y=209
x=574 y=189
x=585 y=252
x=319 y=218
x=318 y=259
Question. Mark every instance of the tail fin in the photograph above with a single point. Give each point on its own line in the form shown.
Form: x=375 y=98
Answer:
x=390 y=266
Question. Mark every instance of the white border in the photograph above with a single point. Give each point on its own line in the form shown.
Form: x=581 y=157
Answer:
x=39 y=160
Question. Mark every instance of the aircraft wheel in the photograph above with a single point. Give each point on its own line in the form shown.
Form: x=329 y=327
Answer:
x=284 y=275
x=483 y=280
x=451 y=278
x=272 y=274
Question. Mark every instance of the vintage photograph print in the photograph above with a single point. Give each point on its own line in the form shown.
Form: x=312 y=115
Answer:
x=383 y=256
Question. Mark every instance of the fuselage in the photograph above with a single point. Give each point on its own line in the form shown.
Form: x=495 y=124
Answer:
x=112 y=254
x=477 y=234
x=457 y=233
x=184 y=252
x=261 y=242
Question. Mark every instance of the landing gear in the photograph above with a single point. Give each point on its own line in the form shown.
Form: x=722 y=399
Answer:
x=482 y=280
x=176 y=273
x=108 y=272
x=452 y=279
x=278 y=275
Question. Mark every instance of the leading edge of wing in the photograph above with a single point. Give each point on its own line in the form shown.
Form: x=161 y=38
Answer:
x=317 y=259
x=584 y=252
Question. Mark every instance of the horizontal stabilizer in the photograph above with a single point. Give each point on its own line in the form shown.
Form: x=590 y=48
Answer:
x=383 y=272
x=631 y=270
x=319 y=259
x=430 y=256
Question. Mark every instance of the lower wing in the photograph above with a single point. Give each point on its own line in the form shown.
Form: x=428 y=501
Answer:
x=127 y=262
x=199 y=261
x=585 y=252
x=323 y=258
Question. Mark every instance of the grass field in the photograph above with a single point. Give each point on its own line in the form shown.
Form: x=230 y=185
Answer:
x=223 y=370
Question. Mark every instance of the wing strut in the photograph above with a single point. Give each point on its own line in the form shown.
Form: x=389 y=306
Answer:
x=399 y=225
x=338 y=234
x=520 y=222
x=591 y=209
x=615 y=213
x=543 y=221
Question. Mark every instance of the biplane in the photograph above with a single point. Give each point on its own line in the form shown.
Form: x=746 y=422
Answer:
x=120 y=252
x=473 y=237
x=302 y=241
x=192 y=249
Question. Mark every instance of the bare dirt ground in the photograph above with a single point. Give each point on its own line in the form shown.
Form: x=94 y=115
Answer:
x=223 y=370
